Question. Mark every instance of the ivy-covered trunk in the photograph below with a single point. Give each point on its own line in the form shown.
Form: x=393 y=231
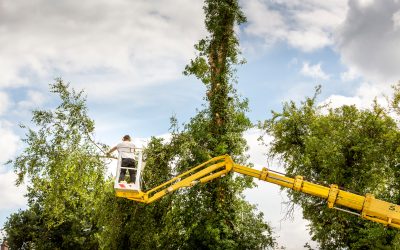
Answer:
x=220 y=18
x=218 y=130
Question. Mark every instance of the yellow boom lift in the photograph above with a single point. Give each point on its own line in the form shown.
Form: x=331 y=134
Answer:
x=366 y=207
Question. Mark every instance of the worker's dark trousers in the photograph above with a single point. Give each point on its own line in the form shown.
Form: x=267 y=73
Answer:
x=127 y=163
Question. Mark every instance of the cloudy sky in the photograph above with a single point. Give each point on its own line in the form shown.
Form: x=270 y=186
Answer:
x=129 y=56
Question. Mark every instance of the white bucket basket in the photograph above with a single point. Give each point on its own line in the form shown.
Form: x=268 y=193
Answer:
x=135 y=186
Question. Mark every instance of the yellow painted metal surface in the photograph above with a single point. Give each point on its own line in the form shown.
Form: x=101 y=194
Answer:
x=366 y=206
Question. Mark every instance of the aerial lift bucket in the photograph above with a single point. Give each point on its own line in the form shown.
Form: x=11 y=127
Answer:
x=132 y=187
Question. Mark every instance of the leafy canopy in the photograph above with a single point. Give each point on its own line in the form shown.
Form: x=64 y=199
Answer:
x=358 y=149
x=65 y=177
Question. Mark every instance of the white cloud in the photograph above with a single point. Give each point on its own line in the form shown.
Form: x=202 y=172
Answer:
x=264 y=21
x=349 y=75
x=336 y=101
x=34 y=99
x=121 y=44
x=12 y=197
x=308 y=40
x=369 y=91
x=306 y=25
x=396 y=20
x=9 y=142
x=258 y=151
x=314 y=71
x=4 y=102
x=368 y=40
x=363 y=97
x=365 y=3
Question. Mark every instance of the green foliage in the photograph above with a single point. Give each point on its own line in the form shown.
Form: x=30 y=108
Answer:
x=22 y=229
x=65 y=178
x=356 y=149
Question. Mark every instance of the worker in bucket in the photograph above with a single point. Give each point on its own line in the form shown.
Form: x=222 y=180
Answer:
x=126 y=150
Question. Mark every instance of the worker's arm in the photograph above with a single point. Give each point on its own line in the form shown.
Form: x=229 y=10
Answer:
x=111 y=150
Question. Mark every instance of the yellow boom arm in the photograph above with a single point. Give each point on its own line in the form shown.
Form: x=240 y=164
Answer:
x=366 y=206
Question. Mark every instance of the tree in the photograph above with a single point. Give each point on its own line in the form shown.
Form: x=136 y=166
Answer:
x=65 y=178
x=358 y=149
x=211 y=216
x=215 y=216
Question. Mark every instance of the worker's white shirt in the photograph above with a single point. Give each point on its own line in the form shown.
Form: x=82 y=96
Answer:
x=126 y=149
